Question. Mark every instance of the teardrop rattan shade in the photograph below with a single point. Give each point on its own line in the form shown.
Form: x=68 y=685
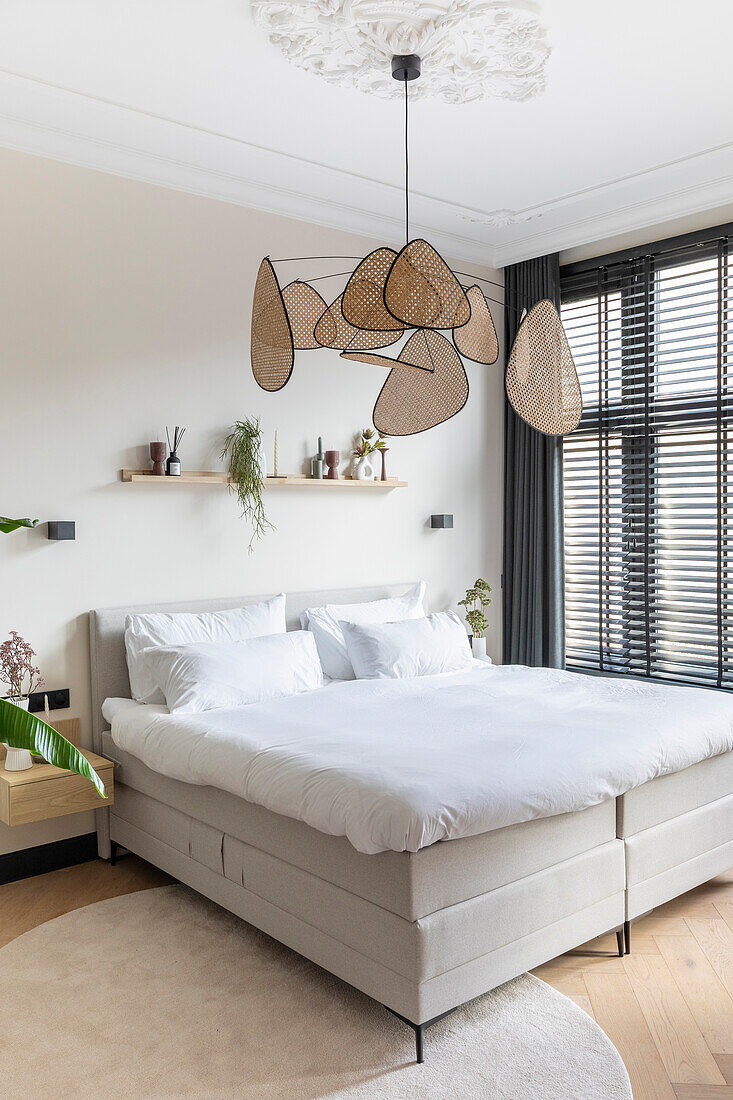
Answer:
x=363 y=299
x=413 y=401
x=271 y=349
x=541 y=380
x=477 y=339
x=422 y=291
x=304 y=307
x=334 y=331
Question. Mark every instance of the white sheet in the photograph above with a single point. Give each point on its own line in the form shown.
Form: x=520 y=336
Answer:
x=399 y=764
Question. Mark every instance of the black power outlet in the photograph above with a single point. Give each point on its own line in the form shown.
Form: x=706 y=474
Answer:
x=57 y=700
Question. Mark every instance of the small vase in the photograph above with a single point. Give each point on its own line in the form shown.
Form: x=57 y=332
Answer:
x=332 y=461
x=364 y=471
x=383 y=456
x=478 y=648
x=17 y=760
x=157 y=457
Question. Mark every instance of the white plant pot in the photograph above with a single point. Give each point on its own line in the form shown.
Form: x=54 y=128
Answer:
x=364 y=470
x=18 y=760
x=478 y=648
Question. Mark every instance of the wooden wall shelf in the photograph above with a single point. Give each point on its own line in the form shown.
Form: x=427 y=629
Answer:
x=287 y=481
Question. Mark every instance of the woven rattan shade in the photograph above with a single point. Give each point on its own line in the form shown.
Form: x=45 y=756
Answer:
x=541 y=380
x=334 y=331
x=271 y=348
x=377 y=360
x=413 y=401
x=422 y=291
x=477 y=339
x=363 y=298
x=304 y=307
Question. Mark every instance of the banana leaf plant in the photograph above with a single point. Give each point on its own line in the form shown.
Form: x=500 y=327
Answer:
x=22 y=730
x=8 y=525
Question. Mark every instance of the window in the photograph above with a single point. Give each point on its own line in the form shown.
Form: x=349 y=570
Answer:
x=648 y=500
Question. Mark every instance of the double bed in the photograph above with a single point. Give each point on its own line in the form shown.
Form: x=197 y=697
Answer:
x=424 y=840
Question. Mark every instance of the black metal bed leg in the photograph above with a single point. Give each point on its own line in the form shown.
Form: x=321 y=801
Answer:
x=113 y=853
x=420 y=1043
x=627 y=937
x=621 y=941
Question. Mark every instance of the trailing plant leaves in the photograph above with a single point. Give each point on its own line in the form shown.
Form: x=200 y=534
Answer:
x=242 y=448
x=8 y=525
x=22 y=730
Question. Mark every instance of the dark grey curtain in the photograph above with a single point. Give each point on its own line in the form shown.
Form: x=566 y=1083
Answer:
x=533 y=616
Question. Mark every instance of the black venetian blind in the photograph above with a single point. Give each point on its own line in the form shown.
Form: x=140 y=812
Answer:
x=648 y=496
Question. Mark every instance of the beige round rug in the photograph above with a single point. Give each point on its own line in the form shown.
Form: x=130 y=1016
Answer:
x=164 y=994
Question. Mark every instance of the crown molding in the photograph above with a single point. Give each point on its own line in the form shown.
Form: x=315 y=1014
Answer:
x=68 y=126
x=123 y=141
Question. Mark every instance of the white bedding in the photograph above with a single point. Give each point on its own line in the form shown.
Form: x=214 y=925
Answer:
x=400 y=764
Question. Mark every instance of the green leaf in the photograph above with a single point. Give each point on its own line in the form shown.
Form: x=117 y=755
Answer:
x=22 y=730
x=8 y=525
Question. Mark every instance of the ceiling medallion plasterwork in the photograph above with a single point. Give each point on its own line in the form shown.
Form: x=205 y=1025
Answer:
x=471 y=49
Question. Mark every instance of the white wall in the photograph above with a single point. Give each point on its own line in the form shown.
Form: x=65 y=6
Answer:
x=125 y=307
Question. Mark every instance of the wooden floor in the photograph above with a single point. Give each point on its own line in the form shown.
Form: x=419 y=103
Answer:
x=668 y=1007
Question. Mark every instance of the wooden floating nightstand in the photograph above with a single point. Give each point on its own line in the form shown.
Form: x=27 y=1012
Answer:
x=43 y=791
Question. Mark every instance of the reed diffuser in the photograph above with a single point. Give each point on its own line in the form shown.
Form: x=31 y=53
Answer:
x=173 y=465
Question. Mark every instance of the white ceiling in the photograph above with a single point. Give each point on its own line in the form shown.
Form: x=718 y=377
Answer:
x=633 y=129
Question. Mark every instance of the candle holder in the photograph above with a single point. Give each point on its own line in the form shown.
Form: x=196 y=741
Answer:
x=158 y=452
x=332 y=460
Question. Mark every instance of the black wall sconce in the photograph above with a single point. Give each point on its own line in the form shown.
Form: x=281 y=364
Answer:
x=62 y=530
x=441 y=523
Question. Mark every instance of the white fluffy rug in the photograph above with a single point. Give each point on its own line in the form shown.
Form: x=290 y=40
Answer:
x=163 y=994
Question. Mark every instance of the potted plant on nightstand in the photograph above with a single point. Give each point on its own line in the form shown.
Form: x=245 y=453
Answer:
x=21 y=730
x=476 y=601
x=19 y=673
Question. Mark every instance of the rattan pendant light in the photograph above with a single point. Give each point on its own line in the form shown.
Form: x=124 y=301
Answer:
x=477 y=339
x=541 y=380
x=387 y=294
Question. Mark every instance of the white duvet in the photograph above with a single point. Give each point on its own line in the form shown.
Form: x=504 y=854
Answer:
x=399 y=764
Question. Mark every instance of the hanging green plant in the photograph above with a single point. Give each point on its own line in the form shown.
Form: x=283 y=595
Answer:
x=244 y=451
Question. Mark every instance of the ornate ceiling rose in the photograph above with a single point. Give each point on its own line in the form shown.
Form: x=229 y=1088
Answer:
x=471 y=49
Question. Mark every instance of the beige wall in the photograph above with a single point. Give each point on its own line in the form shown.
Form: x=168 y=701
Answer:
x=125 y=307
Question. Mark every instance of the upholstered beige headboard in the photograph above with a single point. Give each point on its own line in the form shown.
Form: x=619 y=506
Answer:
x=107 y=635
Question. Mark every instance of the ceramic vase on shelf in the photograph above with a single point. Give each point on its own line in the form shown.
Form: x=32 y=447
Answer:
x=478 y=648
x=364 y=470
x=17 y=760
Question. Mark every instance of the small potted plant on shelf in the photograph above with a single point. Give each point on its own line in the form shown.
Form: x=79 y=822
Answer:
x=245 y=452
x=476 y=601
x=368 y=443
x=21 y=676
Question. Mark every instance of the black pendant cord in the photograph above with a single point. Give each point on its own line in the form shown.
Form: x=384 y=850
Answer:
x=407 y=167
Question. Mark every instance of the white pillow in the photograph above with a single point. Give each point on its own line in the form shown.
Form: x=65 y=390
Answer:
x=399 y=651
x=326 y=625
x=183 y=628
x=207 y=675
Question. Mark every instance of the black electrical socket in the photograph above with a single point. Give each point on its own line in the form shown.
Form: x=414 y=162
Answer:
x=57 y=700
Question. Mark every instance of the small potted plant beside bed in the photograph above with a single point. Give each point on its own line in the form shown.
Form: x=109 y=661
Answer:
x=21 y=676
x=476 y=601
x=23 y=733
